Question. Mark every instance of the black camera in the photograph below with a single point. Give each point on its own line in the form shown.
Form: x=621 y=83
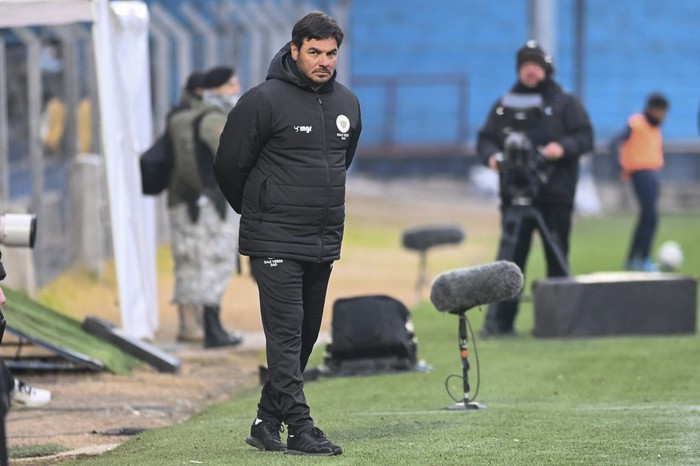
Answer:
x=523 y=167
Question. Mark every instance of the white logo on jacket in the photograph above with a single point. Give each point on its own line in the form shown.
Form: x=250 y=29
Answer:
x=343 y=124
x=302 y=129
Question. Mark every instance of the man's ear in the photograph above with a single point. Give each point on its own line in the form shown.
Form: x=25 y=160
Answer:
x=295 y=52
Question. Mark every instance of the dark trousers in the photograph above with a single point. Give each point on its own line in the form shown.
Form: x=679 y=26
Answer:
x=646 y=189
x=7 y=384
x=557 y=218
x=292 y=296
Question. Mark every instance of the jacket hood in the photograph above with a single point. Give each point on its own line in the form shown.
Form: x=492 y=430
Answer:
x=284 y=68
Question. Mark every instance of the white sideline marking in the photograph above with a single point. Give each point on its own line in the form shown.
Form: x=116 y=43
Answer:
x=690 y=408
x=638 y=407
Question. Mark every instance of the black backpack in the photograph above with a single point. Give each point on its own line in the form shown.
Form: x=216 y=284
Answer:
x=371 y=334
x=156 y=165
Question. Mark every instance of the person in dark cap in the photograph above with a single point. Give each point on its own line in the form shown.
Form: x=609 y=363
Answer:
x=559 y=131
x=203 y=226
x=222 y=87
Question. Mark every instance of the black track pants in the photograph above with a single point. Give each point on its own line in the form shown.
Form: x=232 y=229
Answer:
x=292 y=296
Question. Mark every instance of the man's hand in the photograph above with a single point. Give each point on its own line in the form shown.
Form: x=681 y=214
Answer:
x=2 y=298
x=552 y=151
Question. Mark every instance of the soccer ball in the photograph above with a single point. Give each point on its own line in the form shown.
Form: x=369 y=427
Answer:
x=670 y=256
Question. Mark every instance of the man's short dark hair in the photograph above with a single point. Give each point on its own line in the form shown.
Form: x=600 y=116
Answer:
x=318 y=26
x=657 y=100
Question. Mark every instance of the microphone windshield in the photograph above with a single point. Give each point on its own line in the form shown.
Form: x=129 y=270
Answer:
x=463 y=289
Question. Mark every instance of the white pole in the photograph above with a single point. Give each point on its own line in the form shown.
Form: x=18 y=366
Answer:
x=543 y=24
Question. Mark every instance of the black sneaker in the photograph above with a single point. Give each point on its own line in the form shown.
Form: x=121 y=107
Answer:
x=312 y=442
x=265 y=436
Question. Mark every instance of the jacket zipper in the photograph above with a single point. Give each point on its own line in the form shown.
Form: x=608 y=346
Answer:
x=325 y=159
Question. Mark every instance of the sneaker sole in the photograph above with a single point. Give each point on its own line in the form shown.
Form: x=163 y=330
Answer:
x=17 y=401
x=253 y=442
x=303 y=453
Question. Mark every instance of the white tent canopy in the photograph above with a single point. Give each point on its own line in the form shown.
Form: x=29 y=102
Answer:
x=120 y=36
x=17 y=13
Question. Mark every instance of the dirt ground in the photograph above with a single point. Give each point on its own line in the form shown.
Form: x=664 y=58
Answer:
x=88 y=408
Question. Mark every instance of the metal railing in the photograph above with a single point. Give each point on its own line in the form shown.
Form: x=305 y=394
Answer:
x=396 y=93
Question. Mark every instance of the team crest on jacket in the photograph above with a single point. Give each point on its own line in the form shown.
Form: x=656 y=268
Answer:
x=343 y=124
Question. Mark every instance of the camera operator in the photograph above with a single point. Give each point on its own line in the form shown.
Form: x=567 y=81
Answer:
x=560 y=133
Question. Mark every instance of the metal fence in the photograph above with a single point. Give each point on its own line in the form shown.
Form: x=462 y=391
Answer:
x=50 y=162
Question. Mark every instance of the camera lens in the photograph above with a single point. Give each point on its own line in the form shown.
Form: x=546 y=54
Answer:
x=18 y=230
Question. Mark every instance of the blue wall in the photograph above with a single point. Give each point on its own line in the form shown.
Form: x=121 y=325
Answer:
x=632 y=48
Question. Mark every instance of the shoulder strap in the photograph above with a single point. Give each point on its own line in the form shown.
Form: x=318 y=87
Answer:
x=205 y=163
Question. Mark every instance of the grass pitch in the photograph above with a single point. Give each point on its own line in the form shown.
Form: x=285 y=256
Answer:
x=624 y=400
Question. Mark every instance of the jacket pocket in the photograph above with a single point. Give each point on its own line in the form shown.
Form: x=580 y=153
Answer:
x=262 y=197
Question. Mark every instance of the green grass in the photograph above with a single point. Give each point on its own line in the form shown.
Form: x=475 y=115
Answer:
x=33 y=318
x=622 y=401
x=35 y=451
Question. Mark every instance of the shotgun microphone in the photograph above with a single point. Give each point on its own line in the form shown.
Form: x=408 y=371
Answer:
x=459 y=290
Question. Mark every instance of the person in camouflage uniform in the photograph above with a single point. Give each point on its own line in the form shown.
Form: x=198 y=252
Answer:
x=203 y=226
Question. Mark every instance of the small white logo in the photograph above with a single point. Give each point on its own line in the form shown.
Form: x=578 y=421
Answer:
x=273 y=262
x=342 y=123
x=302 y=129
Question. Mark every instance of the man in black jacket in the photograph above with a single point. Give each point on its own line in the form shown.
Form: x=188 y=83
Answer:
x=281 y=164
x=561 y=132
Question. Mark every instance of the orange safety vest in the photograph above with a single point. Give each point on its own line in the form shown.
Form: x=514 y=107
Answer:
x=643 y=149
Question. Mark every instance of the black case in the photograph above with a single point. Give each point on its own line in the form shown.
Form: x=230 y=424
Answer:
x=372 y=327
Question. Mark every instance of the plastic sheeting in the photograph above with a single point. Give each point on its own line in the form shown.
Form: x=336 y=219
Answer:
x=120 y=34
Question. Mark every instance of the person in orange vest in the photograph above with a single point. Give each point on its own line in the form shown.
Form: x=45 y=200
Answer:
x=640 y=150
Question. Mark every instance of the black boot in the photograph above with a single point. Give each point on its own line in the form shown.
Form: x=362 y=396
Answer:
x=214 y=333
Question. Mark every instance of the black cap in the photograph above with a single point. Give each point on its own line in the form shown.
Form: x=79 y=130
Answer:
x=195 y=81
x=657 y=100
x=218 y=76
x=533 y=53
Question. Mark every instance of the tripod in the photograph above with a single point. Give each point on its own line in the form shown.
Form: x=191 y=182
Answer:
x=520 y=209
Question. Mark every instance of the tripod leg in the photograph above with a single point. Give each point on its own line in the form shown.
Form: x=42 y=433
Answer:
x=512 y=223
x=550 y=242
x=500 y=316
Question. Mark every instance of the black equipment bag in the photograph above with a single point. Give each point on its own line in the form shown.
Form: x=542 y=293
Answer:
x=156 y=164
x=372 y=327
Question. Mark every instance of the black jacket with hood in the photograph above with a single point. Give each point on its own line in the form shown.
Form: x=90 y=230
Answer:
x=564 y=120
x=282 y=161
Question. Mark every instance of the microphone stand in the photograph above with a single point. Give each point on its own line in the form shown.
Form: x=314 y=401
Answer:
x=466 y=404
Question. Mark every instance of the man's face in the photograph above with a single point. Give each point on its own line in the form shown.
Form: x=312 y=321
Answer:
x=657 y=113
x=316 y=59
x=230 y=87
x=531 y=74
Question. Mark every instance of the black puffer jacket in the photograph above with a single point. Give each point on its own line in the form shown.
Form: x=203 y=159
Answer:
x=282 y=160
x=564 y=120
